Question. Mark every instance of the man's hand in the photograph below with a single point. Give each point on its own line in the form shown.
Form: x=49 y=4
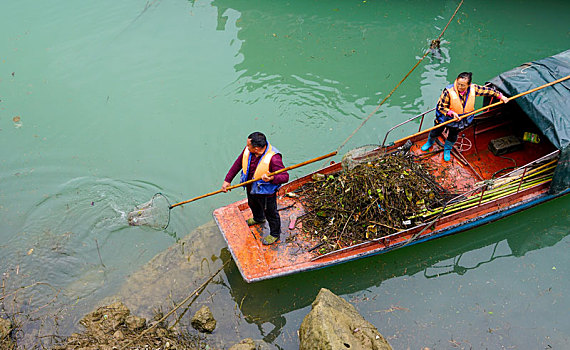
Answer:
x=225 y=186
x=455 y=116
x=266 y=178
x=504 y=98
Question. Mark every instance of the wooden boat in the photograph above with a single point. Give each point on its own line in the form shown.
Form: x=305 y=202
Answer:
x=542 y=173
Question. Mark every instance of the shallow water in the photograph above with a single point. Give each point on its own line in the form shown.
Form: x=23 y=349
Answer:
x=119 y=100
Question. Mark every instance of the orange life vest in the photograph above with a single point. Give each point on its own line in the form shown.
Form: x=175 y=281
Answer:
x=455 y=103
x=259 y=187
x=262 y=166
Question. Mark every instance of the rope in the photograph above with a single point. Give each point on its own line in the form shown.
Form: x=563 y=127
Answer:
x=401 y=81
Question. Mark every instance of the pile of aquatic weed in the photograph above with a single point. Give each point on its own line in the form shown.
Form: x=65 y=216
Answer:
x=372 y=200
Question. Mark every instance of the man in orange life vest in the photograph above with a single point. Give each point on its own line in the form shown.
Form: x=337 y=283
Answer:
x=257 y=160
x=457 y=99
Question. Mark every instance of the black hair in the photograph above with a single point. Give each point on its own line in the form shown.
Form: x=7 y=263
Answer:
x=465 y=75
x=258 y=139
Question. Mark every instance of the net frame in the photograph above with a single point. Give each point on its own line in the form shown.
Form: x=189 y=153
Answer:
x=370 y=152
x=154 y=213
x=359 y=155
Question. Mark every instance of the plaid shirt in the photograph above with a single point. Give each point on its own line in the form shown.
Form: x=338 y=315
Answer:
x=444 y=100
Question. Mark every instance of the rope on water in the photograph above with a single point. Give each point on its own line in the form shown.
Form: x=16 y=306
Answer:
x=401 y=81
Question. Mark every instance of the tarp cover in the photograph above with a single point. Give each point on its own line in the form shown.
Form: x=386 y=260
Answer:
x=548 y=108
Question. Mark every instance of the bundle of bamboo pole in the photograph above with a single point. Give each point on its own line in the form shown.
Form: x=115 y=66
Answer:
x=491 y=190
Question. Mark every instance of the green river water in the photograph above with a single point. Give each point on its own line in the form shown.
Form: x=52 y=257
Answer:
x=103 y=104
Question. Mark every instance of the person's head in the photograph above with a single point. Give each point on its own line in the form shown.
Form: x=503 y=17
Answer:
x=463 y=81
x=256 y=143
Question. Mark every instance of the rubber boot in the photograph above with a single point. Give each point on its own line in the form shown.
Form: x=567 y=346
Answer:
x=447 y=147
x=428 y=144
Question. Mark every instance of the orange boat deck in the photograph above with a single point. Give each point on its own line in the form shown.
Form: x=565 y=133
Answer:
x=296 y=251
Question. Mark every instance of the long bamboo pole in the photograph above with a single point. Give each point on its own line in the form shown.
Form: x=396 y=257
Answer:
x=502 y=180
x=484 y=108
x=528 y=175
x=496 y=192
x=257 y=179
x=505 y=192
x=499 y=189
x=489 y=196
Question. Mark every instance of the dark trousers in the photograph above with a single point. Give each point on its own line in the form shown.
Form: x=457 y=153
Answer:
x=451 y=136
x=265 y=207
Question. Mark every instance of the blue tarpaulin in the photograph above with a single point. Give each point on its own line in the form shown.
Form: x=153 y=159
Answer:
x=548 y=108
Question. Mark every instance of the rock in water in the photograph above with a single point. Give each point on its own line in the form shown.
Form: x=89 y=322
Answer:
x=135 y=323
x=334 y=324
x=245 y=344
x=203 y=320
x=5 y=330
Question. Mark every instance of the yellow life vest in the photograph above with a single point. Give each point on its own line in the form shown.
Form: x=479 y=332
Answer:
x=262 y=166
x=455 y=103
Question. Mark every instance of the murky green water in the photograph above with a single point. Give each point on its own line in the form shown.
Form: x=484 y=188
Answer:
x=119 y=100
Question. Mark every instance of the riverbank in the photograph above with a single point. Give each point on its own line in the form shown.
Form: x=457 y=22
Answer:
x=158 y=305
x=332 y=324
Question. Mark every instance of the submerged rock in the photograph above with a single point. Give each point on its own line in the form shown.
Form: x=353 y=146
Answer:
x=113 y=327
x=203 y=320
x=245 y=344
x=106 y=317
x=334 y=324
x=171 y=274
x=5 y=330
x=135 y=323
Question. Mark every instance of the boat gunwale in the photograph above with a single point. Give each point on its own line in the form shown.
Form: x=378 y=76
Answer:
x=443 y=218
x=459 y=227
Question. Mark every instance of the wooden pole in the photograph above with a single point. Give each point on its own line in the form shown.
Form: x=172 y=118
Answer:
x=484 y=108
x=257 y=179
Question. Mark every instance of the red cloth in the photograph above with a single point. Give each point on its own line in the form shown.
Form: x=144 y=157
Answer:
x=275 y=164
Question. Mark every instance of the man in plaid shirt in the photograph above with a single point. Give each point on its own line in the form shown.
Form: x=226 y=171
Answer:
x=456 y=100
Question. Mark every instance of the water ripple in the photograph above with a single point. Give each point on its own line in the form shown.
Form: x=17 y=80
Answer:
x=78 y=240
x=308 y=95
